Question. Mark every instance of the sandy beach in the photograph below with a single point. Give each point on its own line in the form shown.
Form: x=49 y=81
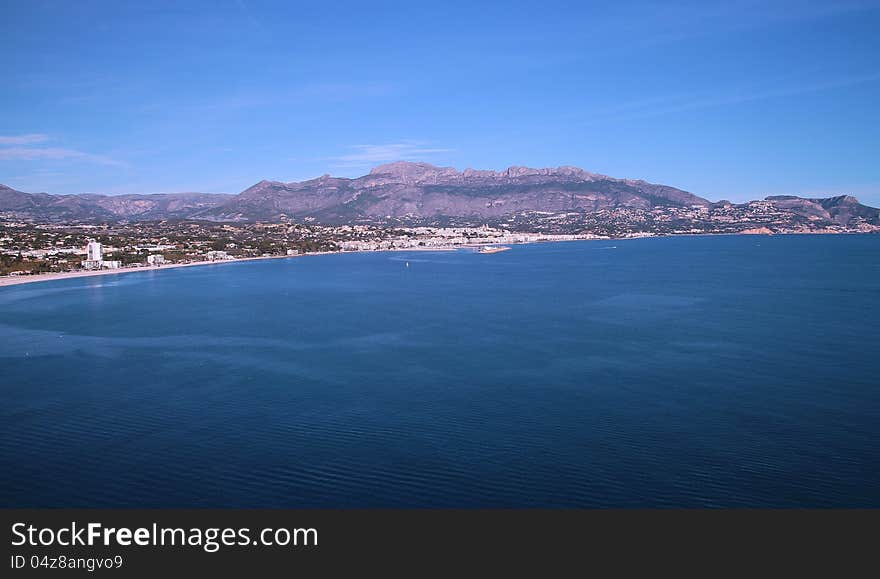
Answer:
x=23 y=279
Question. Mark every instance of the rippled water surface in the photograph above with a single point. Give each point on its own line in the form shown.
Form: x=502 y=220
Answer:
x=699 y=371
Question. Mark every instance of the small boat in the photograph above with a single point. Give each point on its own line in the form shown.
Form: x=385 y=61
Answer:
x=492 y=249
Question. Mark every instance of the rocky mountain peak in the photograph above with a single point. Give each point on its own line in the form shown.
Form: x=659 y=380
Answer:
x=404 y=169
x=412 y=172
x=409 y=172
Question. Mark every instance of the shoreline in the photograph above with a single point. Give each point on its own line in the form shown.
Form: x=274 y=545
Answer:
x=6 y=281
x=9 y=281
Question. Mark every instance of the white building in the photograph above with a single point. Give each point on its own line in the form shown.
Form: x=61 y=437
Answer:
x=217 y=255
x=95 y=257
x=94 y=251
x=156 y=259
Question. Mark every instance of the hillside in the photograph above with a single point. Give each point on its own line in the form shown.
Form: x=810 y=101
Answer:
x=404 y=192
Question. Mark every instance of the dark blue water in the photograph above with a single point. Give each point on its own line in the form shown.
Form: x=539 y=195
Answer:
x=687 y=372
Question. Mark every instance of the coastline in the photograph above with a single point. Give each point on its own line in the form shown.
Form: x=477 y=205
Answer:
x=23 y=279
x=7 y=281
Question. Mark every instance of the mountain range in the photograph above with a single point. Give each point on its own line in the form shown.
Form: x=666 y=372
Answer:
x=91 y=207
x=408 y=191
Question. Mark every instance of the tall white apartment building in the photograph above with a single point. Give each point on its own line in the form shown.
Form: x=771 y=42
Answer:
x=95 y=257
x=94 y=251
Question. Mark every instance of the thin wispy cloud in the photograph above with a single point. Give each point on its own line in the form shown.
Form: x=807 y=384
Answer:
x=19 y=148
x=29 y=139
x=241 y=100
x=668 y=22
x=660 y=106
x=366 y=155
x=249 y=15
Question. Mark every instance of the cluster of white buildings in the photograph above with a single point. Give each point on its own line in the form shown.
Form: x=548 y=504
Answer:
x=218 y=256
x=445 y=237
x=95 y=257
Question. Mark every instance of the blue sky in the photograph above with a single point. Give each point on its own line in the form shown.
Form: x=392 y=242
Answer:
x=735 y=100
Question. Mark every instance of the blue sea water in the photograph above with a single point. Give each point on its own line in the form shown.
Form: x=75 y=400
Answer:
x=667 y=372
